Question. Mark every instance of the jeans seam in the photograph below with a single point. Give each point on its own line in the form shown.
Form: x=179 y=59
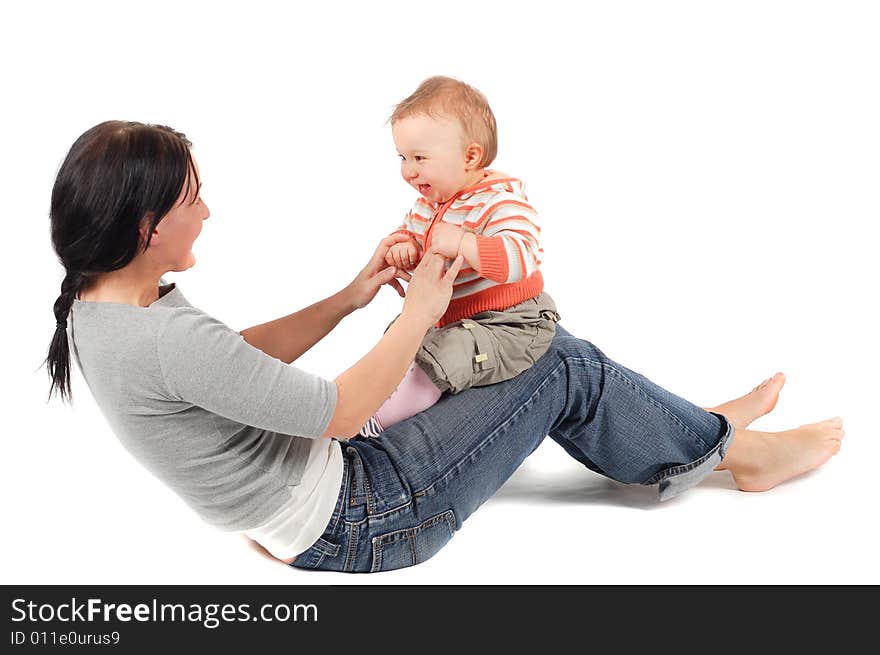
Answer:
x=351 y=551
x=368 y=493
x=379 y=515
x=339 y=509
x=369 y=496
x=491 y=437
x=355 y=529
x=376 y=563
x=620 y=374
x=447 y=517
x=378 y=543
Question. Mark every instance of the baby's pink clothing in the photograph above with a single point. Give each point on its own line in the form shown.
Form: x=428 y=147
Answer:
x=415 y=393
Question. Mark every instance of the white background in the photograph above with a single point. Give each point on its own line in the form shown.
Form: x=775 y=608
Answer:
x=707 y=175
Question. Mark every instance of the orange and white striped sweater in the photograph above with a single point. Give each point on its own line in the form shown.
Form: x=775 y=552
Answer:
x=507 y=230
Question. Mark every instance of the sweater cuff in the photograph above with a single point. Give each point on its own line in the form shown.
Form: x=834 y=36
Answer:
x=403 y=230
x=493 y=258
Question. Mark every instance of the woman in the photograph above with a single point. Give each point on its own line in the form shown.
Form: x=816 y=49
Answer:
x=245 y=439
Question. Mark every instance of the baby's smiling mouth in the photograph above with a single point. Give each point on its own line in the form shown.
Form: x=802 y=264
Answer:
x=424 y=188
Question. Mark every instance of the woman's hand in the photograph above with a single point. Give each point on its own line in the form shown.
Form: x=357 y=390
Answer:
x=376 y=273
x=430 y=289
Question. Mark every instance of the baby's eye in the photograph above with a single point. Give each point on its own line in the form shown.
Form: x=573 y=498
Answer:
x=418 y=158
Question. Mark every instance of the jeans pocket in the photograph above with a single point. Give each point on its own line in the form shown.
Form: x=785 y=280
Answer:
x=408 y=547
x=314 y=557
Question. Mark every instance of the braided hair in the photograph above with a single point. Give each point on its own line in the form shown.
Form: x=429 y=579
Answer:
x=118 y=177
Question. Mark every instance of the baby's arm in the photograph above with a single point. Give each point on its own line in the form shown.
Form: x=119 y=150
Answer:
x=505 y=249
x=508 y=243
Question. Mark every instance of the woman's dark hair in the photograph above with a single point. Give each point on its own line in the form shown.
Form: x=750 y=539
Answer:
x=118 y=177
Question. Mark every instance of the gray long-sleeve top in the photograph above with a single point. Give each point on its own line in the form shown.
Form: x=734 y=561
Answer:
x=222 y=423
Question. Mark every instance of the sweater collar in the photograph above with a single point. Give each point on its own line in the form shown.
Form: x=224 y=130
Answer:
x=492 y=179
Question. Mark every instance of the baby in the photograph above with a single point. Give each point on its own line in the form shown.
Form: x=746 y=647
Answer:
x=499 y=320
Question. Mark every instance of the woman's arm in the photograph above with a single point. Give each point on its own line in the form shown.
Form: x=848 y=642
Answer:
x=363 y=388
x=287 y=338
x=205 y=363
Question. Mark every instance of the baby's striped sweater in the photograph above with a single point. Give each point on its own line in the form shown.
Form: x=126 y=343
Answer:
x=507 y=230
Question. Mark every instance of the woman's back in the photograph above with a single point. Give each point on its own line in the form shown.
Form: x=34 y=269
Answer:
x=208 y=414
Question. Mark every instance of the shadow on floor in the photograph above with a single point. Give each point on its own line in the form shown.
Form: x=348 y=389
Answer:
x=581 y=486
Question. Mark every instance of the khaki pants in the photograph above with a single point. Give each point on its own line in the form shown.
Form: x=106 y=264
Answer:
x=489 y=347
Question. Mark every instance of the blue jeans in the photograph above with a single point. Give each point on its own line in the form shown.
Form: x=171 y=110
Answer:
x=405 y=493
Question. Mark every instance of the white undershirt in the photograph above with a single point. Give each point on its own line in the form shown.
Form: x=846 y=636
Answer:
x=302 y=520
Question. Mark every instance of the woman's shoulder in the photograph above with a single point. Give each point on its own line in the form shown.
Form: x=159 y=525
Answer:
x=188 y=323
x=117 y=325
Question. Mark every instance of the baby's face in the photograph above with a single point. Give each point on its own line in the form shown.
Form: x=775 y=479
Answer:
x=432 y=156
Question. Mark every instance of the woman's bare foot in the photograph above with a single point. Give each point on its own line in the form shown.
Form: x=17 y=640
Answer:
x=759 y=461
x=757 y=402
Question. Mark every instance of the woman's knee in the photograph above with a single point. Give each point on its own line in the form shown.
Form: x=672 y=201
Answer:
x=566 y=345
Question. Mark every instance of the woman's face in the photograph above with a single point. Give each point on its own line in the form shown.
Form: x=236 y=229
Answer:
x=175 y=234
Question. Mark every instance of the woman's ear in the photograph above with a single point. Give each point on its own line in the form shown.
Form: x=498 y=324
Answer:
x=473 y=155
x=145 y=232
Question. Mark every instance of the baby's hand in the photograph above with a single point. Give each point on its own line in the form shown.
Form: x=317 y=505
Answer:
x=403 y=255
x=446 y=239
